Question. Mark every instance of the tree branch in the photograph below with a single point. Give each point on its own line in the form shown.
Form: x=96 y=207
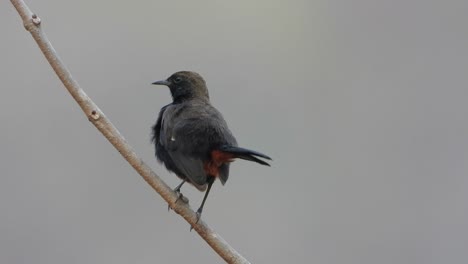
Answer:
x=32 y=23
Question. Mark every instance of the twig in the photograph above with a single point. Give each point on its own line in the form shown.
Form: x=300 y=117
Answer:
x=32 y=23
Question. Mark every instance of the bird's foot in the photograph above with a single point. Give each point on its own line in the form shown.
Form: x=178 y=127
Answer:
x=180 y=196
x=198 y=215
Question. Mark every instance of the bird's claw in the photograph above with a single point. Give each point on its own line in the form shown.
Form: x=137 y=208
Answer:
x=198 y=216
x=179 y=197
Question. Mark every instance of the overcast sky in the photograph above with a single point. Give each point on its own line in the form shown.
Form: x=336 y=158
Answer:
x=361 y=104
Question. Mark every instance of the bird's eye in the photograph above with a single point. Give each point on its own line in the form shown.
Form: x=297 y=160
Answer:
x=177 y=80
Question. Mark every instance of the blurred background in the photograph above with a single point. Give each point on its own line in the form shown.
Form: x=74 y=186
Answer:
x=362 y=105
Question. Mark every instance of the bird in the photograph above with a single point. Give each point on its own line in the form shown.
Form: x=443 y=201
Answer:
x=192 y=139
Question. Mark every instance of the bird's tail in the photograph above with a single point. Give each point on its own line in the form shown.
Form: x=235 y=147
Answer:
x=245 y=154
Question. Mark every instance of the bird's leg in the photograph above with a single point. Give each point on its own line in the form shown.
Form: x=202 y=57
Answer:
x=177 y=189
x=199 y=211
x=179 y=194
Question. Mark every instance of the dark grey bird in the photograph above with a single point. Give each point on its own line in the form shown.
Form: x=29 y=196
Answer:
x=191 y=137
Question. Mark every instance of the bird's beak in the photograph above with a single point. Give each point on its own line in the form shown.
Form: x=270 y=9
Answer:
x=162 y=82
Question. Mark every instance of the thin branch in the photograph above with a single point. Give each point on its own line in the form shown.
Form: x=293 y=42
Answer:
x=32 y=23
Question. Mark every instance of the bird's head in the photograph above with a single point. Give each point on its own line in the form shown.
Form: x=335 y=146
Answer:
x=186 y=85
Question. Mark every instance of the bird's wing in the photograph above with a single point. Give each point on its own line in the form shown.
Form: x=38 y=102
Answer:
x=191 y=167
x=177 y=137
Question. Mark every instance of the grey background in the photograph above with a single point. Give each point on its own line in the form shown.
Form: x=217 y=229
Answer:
x=362 y=104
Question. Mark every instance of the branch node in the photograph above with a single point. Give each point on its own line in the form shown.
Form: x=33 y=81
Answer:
x=36 y=20
x=94 y=115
